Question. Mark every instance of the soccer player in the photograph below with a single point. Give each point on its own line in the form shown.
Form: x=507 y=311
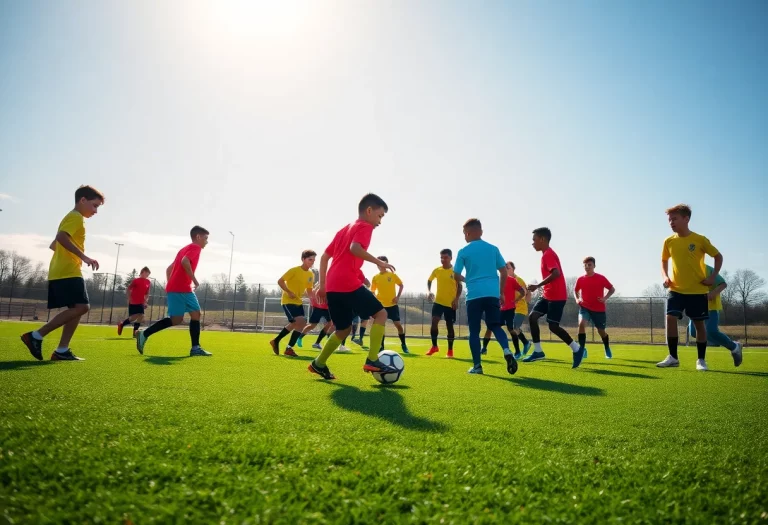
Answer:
x=362 y=323
x=294 y=283
x=383 y=287
x=319 y=314
x=445 y=302
x=343 y=285
x=486 y=280
x=689 y=284
x=181 y=298
x=513 y=292
x=714 y=335
x=66 y=286
x=521 y=312
x=591 y=297
x=552 y=301
x=138 y=298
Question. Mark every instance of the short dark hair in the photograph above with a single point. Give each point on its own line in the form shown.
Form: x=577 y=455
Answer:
x=447 y=252
x=589 y=259
x=680 y=209
x=383 y=258
x=544 y=233
x=308 y=253
x=198 y=230
x=473 y=223
x=511 y=264
x=371 y=200
x=145 y=269
x=89 y=192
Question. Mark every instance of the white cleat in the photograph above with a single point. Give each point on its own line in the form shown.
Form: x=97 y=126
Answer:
x=701 y=365
x=343 y=350
x=737 y=355
x=669 y=362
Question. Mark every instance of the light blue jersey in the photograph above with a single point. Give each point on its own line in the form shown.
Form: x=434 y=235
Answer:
x=481 y=260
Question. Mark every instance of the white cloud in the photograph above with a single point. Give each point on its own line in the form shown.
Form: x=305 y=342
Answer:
x=6 y=197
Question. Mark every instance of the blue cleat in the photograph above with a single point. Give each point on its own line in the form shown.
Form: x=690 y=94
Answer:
x=484 y=351
x=585 y=352
x=141 y=340
x=526 y=347
x=577 y=357
x=197 y=351
x=298 y=342
x=478 y=370
x=535 y=356
x=405 y=348
x=608 y=354
x=518 y=356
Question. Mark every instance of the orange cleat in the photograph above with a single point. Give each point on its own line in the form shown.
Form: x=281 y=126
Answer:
x=450 y=354
x=433 y=350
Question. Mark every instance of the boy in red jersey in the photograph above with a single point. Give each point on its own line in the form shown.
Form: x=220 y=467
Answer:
x=181 y=298
x=552 y=301
x=343 y=286
x=589 y=291
x=513 y=292
x=138 y=298
x=319 y=314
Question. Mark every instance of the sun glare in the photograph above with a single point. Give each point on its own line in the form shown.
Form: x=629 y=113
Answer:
x=260 y=19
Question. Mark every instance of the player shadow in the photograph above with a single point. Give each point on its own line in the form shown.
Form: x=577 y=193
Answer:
x=383 y=402
x=22 y=365
x=552 y=386
x=615 y=373
x=163 y=360
x=645 y=361
x=614 y=363
x=299 y=357
x=469 y=360
x=120 y=339
x=755 y=374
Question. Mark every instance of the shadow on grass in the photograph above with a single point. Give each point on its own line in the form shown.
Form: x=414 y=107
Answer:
x=120 y=339
x=22 y=365
x=734 y=372
x=552 y=386
x=645 y=361
x=614 y=373
x=163 y=360
x=608 y=362
x=384 y=402
x=299 y=357
x=485 y=361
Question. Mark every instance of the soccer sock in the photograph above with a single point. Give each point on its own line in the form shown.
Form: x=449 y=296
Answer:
x=402 y=337
x=362 y=332
x=523 y=339
x=282 y=334
x=537 y=347
x=606 y=343
x=486 y=340
x=343 y=341
x=516 y=342
x=560 y=332
x=62 y=350
x=451 y=336
x=383 y=337
x=162 y=324
x=582 y=340
x=701 y=348
x=377 y=339
x=433 y=333
x=330 y=347
x=535 y=331
x=320 y=337
x=136 y=326
x=672 y=344
x=294 y=337
x=194 y=332
x=126 y=322
x=37 y=335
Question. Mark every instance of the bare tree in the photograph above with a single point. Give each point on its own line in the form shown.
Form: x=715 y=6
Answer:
x=747 y=291
x=570 y=286
x=20 y=268
x=655 y=290
x=5 y=264
x=728 y=296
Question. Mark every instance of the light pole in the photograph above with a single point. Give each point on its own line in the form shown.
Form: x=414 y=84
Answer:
x=114 y=281
x=231 y=254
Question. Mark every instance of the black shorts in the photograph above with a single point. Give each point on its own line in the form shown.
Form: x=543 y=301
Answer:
x=292 y=311
x=135 y=309
x=318 y=314
x=508 y=318
x=393 y=313
x=66 y=293
x=552 y=309
x=439 y=310
x=345 y=306
x=695 y=306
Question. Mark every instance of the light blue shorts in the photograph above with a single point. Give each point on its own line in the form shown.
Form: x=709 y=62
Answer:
x=182 y=303
x=519 y=320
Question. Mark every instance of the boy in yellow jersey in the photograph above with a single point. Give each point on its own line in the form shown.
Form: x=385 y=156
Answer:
x=383 y=286
x=688 y=284
x=445 y=302
x=294 y=283
x=66 y=287
x=521 y=313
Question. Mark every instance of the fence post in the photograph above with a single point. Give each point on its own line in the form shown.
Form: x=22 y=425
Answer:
x=746 y=337
x=152 y=296
x=650 y=312
x=103 y=299
x=205 y=301
x=112 y=303
x=258 y=300
x=234 y=301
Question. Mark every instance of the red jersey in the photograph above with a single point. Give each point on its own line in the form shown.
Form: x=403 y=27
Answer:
x=315 y=302
x=555 y=290
x=139 y=289
x=180 y=282
x=592 y=288
x=345 y=274
x=511 y=287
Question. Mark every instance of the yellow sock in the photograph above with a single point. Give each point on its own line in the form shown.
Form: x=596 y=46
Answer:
x=330 y=347
x=377 y=336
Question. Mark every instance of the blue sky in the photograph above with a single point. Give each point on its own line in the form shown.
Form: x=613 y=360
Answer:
x=272 y=119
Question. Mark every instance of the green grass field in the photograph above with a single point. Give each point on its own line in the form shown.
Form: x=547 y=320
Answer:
x=248 y=437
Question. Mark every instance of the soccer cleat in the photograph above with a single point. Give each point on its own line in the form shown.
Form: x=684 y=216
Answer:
x=275 y=347
x=299 y=343
x=343 y=350
x=141 y=340
x=135 y=334
x=518 y=355
x=358 y=342
x=35 y=346
x=526 y=347
x=608 y=353
x=578 y=357
x=322 y=371
x=378 y=366
x=289 y=352
x=737 y=354
x=449 y=355
x=198 y=351
x=511 y=363
x=405 y=348
x=701 y=365
x=484 y=351
x=317 y=346
x=433 y=350
x=585 y=353
x=476 y=370
x=669 y=362
x=535 y=356
x=65 y=356
x=119 y=328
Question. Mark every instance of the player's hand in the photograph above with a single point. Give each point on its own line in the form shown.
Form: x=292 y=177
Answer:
x=600 y=300
x=667 y=282
x=146 y=305
x=395 y=300
x=709 y=281
x=455 y=304
x=711 y=296
x=533 y=287
x=291 y=294
x=431 y=297
x=501 y=299
x=93 y=263
x=197 y=284
x=320 y=293
x=385 y=267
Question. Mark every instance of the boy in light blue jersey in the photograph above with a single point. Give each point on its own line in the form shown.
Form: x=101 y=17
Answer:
x=486 y=275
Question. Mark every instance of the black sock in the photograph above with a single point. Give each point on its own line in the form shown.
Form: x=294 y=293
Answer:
x=320 y=337
x=343 y=341
x=560 y=332
x=433 y=333
x=294 y=337
x=582 y=340
x=701 y=348
x=486 y=340
x=523 y=339
x=516 y=342
x=194 y=332
x=672 y=344
x=535 y=330
x=382 y=342
x=362 y=332
x=606 y=343
x=162 y=324
x=136 y=326
x=126 y=322
x=451 y=335
x=282 y=334
x=402 y=337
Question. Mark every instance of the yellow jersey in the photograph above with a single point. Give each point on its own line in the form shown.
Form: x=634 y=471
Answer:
x=521 y=306
x=446 y=285
x=65 y=264
x=687 y=254
x=297 y=280
x=383 y=285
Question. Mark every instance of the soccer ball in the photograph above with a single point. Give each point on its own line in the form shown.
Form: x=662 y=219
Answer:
x=391 y=358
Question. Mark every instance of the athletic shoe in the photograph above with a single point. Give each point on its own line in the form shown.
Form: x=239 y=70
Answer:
x=405 y=348
x=322 y=371
x=275 y=347
x=65 y=356
x=484 y=351
x=358 y=342
x=433 y=350
x=478 y=370
x=299 y=343
x=197 y=351
x=511 y=363
x=518 y=355
x=35 y=346
x=119 y=328
x=289 y=352
x=449 y=355
x=526 y=347
x=669 y=362
x=377 y=366
x=701 y=365
x=535 y=356
x=578 y=357
x=140 y=342
x=585 y=353
x=135 y=334
x=343 y=350
x=737 y=354
x=317 y=346
x=608 y=353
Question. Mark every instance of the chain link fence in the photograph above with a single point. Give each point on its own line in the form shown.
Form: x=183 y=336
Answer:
x=256 y=308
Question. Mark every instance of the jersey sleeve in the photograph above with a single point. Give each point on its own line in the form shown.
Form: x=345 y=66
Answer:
x=287 y=275
x=665 y=255
x=709 y=249
x=374 y=284
x=579 y=282
x=193 y=254
x=549 y=260
x=459 y=266
x=397 y=280
x=71 y=224
x=499 y=260
x=719 y=280
x=432 y=276
x=362 y=235
x=606 y=283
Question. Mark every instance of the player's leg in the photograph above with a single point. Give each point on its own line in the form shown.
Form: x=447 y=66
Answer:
x=519 y=319
x=539 y=310
x=714 y=334
x=697 y=310
x=554 y=316
x=600 y=320
x=450 y=319
x=340 y=308
x=509 y=322
x=194 y=331
x=493 y=322
x=177 y=306
x=437 y=314
x=486 y=341
x=363 y=326
x=675 y=307
x=63 y=352
x=299 y=323
x=584 y=320
x=289 y=312
x=474 y=318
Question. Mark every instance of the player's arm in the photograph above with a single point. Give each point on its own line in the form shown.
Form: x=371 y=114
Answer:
x=283 y=286
x=400 y=287
x=187 y=265
x=611 y=291
x=551 y=277
x=53 y=245
x=63 y=238
x=717 y=291
x=577 y=292
x=357 y=250
x=459 y=288
x=324 y=259
x=710 y=279
x=168 y=272
x=128 y=292
x=502 y=282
